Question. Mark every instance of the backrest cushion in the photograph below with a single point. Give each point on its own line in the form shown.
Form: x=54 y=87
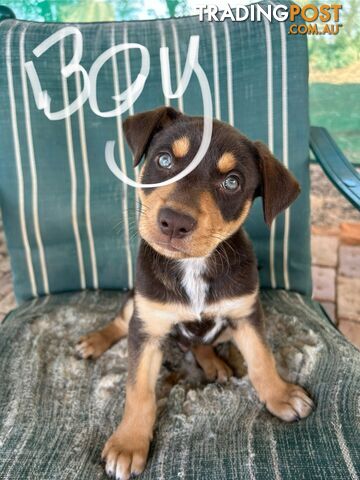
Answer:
x=69 y=223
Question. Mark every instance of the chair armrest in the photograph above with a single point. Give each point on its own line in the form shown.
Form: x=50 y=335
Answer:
x=336 y=166
x=6 y=12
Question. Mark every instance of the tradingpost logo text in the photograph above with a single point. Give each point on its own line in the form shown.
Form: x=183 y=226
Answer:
x=314 y=19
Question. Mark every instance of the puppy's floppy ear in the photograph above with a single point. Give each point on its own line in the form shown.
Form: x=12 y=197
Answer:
x=278 y=188
x=140 y=128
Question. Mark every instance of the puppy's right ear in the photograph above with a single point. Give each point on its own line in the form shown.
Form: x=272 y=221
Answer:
x=140 y=128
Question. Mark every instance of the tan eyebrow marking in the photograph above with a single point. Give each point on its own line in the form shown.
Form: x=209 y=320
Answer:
x=181 y=147
x=226 y=162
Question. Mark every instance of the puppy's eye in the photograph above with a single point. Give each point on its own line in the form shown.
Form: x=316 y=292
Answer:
x=165 y=160
x=231 y=183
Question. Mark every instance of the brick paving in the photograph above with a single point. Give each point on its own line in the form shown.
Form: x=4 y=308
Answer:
x=336 y=277
x=335 y=244
x=335 y=252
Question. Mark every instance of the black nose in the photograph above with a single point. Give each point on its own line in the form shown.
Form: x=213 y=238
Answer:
x=175 y=224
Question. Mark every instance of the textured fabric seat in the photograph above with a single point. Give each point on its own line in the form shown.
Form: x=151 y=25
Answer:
x=57 y=411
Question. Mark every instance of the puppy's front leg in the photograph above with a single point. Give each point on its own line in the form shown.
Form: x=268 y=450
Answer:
x=127 y=449
x=284 y=400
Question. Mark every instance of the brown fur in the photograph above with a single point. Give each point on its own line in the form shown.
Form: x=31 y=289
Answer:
x=96 y=343
x=212 y=229
x=285 y=400
x=192 y=239
x=167 y=314
x=127 y=448
x=234 y=308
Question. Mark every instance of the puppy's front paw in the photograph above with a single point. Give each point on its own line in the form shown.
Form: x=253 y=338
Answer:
x=125 y=454
x=290 y=403
x=92 y=345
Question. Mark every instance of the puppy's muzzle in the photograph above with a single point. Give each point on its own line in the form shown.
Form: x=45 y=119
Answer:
x=174 y=224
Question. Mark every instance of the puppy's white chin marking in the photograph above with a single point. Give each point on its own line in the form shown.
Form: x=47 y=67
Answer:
x=193 y=282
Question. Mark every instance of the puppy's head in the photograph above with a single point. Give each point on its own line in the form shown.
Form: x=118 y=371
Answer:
x=189 y=218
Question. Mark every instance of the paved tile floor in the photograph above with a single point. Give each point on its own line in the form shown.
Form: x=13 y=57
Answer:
x=336 y=255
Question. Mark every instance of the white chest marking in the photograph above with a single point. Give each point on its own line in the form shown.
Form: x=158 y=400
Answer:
x=194 y=284
x=219 y=323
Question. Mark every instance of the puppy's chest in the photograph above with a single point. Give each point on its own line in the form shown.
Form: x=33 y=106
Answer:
x=207 y=325
x=194 y=284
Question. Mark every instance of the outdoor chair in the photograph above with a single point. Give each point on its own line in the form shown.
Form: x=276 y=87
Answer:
x=70 y=228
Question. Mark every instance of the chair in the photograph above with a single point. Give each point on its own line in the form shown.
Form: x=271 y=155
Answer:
x=70 y=228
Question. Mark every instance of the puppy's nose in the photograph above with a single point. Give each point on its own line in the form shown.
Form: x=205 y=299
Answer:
x=175 y=224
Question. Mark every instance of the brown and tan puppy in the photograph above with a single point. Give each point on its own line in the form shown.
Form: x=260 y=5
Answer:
x=196 y=273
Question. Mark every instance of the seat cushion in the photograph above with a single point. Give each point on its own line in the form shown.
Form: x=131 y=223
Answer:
x=70 y=224
x=57 y=411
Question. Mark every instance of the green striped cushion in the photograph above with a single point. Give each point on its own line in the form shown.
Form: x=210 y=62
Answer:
x=57 y=412
x=70 y=224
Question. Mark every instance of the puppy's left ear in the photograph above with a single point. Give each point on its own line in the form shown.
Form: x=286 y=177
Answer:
x=140 y=128
x=278 y=188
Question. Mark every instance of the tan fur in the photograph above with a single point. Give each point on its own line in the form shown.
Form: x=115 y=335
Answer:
x=128 y=311
x=159 y=317
x=151 y=204
x=234 y=308
x=128 y=447
x=226 y=162
x=261 y=363
x=225 y=336
x=96 y=343
x=148 y=368
x=215 y=368
x=285 y=400
x=211 y=228
x=181 y=147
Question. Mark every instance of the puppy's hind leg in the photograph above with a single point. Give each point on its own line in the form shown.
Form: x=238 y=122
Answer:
x=214 y=367
x=96 y=343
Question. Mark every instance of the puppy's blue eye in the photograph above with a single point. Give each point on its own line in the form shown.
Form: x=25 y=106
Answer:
x=231 y=183
x=165 y=160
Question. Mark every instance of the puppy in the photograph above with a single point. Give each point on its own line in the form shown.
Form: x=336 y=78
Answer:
x=196 y=273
